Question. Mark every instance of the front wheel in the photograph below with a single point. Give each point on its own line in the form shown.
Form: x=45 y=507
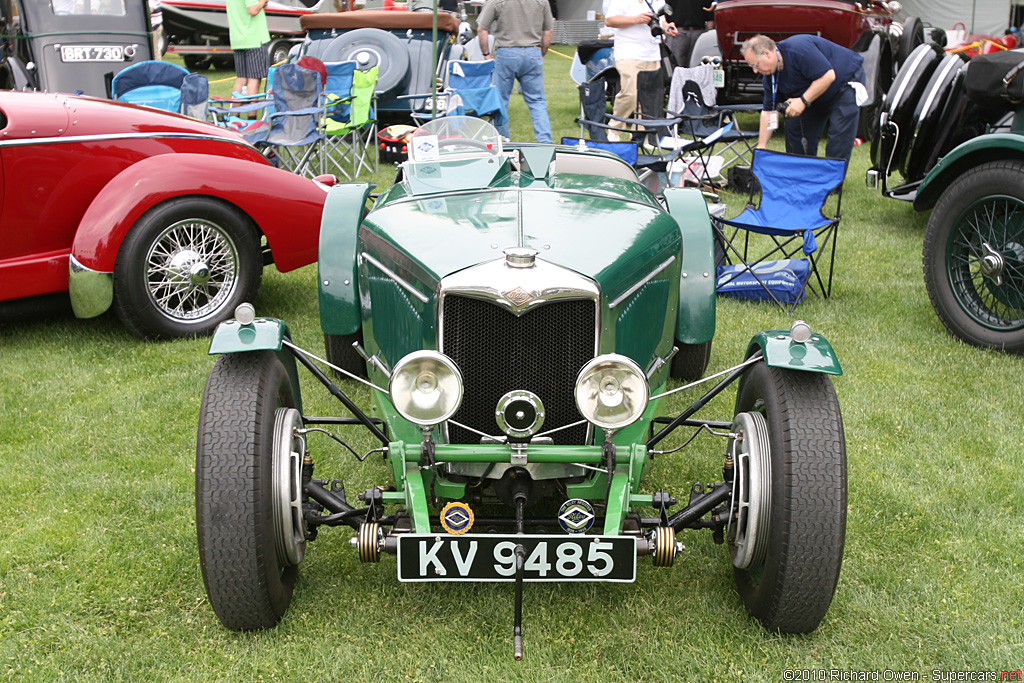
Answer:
x=788 y=525
x=184 y=267
x=974 y=256
x=249 y=522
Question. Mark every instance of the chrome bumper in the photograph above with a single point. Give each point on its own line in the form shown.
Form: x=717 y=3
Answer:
x=92 y=292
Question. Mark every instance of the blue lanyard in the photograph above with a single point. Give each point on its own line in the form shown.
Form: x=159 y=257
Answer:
x=775 y=85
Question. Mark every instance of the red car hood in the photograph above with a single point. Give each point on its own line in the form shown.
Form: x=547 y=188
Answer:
x=44 y=115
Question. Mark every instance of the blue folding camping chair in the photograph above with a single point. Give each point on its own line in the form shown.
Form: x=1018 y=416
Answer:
x=469 y=91
x=159 y=84
x=791 y=212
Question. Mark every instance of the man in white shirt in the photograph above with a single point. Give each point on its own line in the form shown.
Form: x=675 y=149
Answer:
x=635 y=49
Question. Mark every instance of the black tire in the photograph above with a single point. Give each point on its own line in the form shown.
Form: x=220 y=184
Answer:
x=690 y=361
x=339 y=351
x=974 y=256
x=184 y=267
x=788 y=585
x=912 y=36
x=278 y=51
x=247 y=583
x=197 y=62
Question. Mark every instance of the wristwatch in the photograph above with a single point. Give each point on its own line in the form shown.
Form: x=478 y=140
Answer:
x=804 y=100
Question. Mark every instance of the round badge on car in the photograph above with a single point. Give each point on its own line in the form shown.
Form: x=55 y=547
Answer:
x=456 y=518
x=576 y=516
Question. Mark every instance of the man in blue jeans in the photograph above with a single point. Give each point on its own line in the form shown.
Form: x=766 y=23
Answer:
x=522 y=34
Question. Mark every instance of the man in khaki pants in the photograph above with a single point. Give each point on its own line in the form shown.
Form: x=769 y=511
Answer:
x=635 y=49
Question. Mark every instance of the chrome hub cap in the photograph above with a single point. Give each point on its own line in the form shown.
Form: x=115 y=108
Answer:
x=289 y=524
x=191 y=270
x=992 y=264
x=752 y=491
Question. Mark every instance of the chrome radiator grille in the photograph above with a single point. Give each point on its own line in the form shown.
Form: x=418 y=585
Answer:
x=540 y=351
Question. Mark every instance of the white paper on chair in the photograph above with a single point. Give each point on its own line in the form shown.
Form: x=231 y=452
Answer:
x=694 y=169
x=669 y=142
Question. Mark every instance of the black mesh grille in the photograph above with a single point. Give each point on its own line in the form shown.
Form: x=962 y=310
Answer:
x=541 y=351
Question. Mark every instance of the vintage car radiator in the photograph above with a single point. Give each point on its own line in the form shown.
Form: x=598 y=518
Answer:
x=541 y=351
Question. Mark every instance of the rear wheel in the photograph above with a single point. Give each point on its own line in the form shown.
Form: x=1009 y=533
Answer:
x=789 y=524
x=690 y=361
x=912 y=36
x=974 y=256
x=340 y=352
x=249 y=490
x=197 y=62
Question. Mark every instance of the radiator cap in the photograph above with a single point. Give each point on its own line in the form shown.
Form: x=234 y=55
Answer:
x=520 y=257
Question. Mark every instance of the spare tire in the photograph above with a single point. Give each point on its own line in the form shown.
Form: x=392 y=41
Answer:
x=912 y=37
x=897 y=118
x=945 y=84
x=370 y=47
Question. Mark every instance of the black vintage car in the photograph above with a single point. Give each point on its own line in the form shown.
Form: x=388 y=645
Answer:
x=72 y=46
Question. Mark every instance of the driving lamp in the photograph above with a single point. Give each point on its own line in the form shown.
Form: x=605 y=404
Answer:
x=426 y=388
x=611 y=391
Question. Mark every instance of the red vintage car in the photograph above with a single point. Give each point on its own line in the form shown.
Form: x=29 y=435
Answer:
x=166 y=219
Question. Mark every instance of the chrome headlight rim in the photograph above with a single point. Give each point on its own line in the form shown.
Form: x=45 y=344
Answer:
x=426 y=387
x=621 y=381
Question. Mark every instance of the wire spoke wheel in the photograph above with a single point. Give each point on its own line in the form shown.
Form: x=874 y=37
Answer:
x=973 y=256
x=985 y=262
x=184 y=266
x=190 y=270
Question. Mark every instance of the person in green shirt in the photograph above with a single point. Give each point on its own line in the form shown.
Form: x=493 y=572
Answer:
x=247 y=29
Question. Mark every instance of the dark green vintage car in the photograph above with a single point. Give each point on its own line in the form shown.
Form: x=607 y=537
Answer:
x=518 y=313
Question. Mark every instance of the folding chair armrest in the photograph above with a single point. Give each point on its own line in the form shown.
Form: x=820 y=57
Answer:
x=308 y=111
x=242 y=108
x=650 y=123
x=756 y=107
x=687 y=117
x=598 y=124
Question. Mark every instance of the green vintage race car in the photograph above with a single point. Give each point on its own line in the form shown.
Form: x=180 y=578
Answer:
x=518 y=312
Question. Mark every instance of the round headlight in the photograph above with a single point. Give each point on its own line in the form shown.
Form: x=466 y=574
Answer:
x=611 y=391
x=426 y=388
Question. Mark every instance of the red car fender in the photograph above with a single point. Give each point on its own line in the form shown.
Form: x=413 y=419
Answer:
x=286 y=207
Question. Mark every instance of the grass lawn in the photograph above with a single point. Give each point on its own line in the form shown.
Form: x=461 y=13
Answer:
x=100 y=579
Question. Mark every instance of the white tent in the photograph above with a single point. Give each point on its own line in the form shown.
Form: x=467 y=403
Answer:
x=978 y=16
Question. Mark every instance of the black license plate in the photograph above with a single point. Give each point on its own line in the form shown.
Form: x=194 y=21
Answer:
x=91 y=53
x=491 y=557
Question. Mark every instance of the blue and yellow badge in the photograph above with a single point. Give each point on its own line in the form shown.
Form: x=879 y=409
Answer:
x=456 y=518
x=576 y=516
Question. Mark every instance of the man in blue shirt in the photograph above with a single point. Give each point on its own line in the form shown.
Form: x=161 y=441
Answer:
x=814 y=78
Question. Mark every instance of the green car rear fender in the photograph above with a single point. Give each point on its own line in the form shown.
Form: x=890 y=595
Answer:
x=338 y=258
x=976 y=151
x=695 y=323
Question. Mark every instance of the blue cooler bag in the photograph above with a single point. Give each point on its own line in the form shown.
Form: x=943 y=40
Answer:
x=785 y=278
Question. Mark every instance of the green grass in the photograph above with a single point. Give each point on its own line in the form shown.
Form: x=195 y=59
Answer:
x=100 y=580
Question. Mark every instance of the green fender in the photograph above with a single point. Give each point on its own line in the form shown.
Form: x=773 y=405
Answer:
x=262 y=334
x=780 y=351
x=337 y=262
x=979 y=150
x=695 y=322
